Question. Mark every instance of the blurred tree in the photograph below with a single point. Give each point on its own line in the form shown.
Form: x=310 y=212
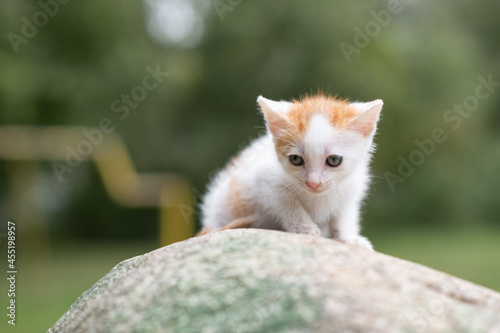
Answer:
x=420 y=61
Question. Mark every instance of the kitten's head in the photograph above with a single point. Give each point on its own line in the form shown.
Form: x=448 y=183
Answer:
x=321 y=140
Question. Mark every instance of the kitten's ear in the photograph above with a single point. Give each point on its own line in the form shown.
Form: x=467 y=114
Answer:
x=366 y=122
x=275 y=114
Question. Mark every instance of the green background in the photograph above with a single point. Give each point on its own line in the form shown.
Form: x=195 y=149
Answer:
x=220 y=55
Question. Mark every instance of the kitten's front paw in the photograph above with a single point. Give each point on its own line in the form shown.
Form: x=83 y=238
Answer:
x=306 y=229
x=358 y=241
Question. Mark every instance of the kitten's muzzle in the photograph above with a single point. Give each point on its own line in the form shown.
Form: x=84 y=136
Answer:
x=313 y=184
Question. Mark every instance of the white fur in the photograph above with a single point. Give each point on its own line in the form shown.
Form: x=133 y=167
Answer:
x=278 y=191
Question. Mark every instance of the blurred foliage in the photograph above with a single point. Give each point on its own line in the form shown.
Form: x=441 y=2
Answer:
x=424 y=61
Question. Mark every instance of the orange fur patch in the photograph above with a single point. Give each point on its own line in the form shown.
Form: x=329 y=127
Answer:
x=244 y=222
x=239 y=205
x=337 y=111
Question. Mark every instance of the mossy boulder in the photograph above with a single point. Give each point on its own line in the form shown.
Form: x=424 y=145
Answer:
x=251 y=280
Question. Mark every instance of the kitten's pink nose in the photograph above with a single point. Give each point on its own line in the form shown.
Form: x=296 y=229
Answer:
x=313 y=180
x=312 y=184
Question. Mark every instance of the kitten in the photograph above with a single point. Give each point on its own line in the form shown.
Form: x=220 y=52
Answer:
x=308 y=174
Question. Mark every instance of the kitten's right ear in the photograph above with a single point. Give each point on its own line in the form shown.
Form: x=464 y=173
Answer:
x=274 y=113
x=366 y=122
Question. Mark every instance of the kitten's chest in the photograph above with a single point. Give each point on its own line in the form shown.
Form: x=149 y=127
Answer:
x=321 y=209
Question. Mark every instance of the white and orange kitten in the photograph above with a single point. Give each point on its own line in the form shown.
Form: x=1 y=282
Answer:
x=308 y=174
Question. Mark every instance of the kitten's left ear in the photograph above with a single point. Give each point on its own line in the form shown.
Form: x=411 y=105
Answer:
x=275 y=114
x=366 y=122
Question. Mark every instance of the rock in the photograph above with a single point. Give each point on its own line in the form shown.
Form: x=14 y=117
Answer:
x=251 y=280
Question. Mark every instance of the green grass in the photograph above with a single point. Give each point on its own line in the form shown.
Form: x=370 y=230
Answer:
x=48 y=285
x=472 y=255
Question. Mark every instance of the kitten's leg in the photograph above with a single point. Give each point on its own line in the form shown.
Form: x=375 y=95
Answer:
x=296 y=221
x=346 y=228
x=299 y=222
x=243 y=222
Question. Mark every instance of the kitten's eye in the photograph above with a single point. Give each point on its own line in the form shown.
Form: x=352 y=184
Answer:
x=296 y=160
x=334 y=160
